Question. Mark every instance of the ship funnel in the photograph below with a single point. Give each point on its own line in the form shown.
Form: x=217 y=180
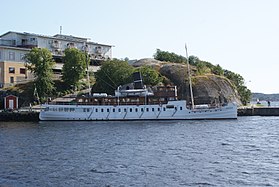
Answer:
x=138 y=84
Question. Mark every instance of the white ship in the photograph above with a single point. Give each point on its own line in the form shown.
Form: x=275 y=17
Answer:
x=136 y=102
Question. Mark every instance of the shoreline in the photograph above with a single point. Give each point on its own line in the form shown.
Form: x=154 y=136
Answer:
x=34 y=115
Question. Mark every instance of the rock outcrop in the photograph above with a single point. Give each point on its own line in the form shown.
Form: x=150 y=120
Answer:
x=206 y=89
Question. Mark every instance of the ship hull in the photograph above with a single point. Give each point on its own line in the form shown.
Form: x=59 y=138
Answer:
x=173 y=110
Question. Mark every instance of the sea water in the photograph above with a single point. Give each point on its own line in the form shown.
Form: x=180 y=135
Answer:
x=242 y=152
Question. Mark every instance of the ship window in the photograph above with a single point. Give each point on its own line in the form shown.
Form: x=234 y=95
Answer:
x=164 y=109
x=147 y=109
x=60 y=109
x=158 y=109
x=102 y=110
x=72 y=109
x=47 y=109
x=152 y=109
x=119 y=110
x=113 y=110
x=88 y=110
x=108 y=110
x=181 y=108
x=66 y=109
x=131 y=110
x=142 y=109
x=96 y=110
x=125 y=110
x=136 y=110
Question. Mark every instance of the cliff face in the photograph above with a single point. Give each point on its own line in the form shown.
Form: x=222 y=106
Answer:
x=206 y=89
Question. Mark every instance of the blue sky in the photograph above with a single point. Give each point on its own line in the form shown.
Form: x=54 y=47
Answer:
x=239 y=35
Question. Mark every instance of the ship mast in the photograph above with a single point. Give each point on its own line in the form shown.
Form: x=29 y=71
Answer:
x=189 y=76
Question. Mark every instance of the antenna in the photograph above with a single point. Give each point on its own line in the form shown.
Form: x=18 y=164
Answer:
x=189 y=76
x=60 y=30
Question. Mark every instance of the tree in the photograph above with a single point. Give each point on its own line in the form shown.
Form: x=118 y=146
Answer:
x=202 y=68
x=149 y=75
x=112 y=74
x=217 y=70
x=74 y=67
x=40 y=63
x=169 y=57
x=244 y=93
x=193 y=60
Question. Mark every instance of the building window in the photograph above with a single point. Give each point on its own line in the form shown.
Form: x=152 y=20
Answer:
x=24 y=41
x=11 y=79
x=11 y=70
x=98 y=49
x=22 y=57
x=32 y=39
x=11 y=55
x=22 y=71
x=70 y=45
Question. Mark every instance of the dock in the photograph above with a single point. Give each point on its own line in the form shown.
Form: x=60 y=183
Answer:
x=19 y=116
x=258 y=111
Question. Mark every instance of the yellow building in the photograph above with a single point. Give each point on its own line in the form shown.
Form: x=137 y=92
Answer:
x=12 y=68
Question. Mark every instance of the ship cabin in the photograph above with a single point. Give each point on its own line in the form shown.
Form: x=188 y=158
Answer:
x=152 y=96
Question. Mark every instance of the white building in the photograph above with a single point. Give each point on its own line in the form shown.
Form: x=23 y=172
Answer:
x=14 y=45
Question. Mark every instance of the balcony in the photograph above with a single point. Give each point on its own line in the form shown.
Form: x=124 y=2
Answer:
x=28 y=43
x=56 y=44
x=7 y=42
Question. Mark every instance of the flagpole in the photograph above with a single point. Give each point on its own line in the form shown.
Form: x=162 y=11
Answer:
x=190 y=80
